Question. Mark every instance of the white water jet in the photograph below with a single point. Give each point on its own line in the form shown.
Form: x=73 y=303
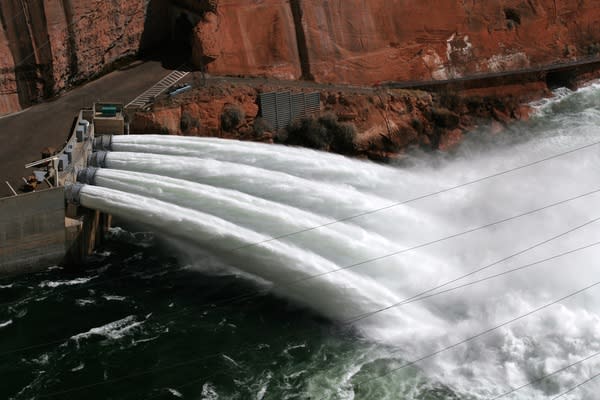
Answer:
x=246 y=193
x=338 y=296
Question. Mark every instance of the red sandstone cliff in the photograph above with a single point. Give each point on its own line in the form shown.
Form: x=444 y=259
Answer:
x=415 y=40
x=47 y=45
x=375 y=40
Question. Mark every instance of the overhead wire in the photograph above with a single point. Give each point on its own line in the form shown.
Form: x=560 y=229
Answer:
x=357 y=264
x=577 y=386
x=387 y=207
x=520 y=252
x=478 y=335
x=424 y=295
x=362 y=316
x=414 y=199
x=360 y=383
x=15 y=16
x=417 y=297
x=546 y=376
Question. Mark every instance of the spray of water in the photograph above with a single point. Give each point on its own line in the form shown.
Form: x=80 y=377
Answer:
x=217 y=195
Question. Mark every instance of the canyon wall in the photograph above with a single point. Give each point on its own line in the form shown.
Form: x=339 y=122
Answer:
x=257 y=38
x=49 y=45
x=369 y=41
x=403 y=40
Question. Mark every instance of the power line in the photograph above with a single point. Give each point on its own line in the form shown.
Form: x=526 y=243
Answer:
x=415 y=298
x=373 y=211
x=425 y=357
x=577 y=386
x=347 y=267
x=483 y=333
x=359 y=317
x=414 y=199
x=542 y=378
x=424 y=295
x=443 y=239
x=15 y=16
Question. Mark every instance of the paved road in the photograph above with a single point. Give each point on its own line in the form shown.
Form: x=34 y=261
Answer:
x=23 y=135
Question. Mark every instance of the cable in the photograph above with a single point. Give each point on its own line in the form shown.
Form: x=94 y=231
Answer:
x=418 y=295
x=417 y=298
x=430 y=355
x=414 y=199
x=134 y=375
x=351 y=266
x=481 y=227
x=355 y=319
x=542 y=378
x=15 y=16
x=373 y=212
x=452 y=346
x=362 y=316
x=577 y=386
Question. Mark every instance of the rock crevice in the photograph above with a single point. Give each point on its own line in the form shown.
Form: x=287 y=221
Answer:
x=48 y=45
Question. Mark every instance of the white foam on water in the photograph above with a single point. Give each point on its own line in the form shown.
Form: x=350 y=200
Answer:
x=217 y=195
x=6 y=323
x=72 y=282
x=78 y=367
x=113 y=297
x=273 y=261
x=112 y=330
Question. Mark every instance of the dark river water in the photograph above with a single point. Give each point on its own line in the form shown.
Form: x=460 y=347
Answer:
x=220 y=310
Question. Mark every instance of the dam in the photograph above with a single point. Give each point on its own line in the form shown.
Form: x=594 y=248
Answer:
x=38 y=229
x=292 y=269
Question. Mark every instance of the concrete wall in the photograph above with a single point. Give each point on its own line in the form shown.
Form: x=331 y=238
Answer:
x=32 y=231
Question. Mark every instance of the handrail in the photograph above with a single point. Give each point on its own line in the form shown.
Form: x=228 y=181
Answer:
x=45 y=160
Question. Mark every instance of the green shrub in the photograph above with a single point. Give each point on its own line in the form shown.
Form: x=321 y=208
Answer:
x=231 y=118
x=343 y=138
x=323 y=133
x=308 y=132
x=260 y=126
x=329 y=120
x=188 y=122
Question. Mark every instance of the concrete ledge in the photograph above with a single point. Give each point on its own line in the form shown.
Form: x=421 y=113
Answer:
x=32 y=231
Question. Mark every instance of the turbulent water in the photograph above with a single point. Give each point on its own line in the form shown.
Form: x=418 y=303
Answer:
x=282 y=273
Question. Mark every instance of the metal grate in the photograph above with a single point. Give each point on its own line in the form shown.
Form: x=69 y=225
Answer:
x=282 y=108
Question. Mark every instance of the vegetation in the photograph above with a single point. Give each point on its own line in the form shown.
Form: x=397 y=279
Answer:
x=188 y=122
x=323 y=133
x=261 y=126
x=231 y=117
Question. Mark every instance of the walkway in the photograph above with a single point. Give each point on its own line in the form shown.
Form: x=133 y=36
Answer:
x=49 y=124
x=148 y=96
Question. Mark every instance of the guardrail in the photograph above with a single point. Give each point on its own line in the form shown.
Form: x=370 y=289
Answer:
x=552 y=67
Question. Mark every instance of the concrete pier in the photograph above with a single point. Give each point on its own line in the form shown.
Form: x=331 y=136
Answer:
x=32 y=231
x=40 y=229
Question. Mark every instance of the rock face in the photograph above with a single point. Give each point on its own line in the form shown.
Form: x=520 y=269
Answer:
x=48 y=45
x=256 y=38
x=385 y=122
x=397 y=40
x=414 y=40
